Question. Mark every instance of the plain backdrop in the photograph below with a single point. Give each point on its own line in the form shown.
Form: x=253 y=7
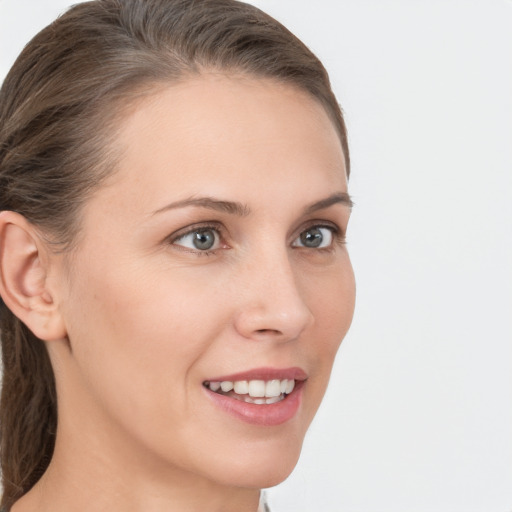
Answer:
x=418 y=417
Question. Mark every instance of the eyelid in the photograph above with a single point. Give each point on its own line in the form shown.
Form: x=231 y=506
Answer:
x=338 y=233
x=320 y=223
x=191 y=228
x=188 y=230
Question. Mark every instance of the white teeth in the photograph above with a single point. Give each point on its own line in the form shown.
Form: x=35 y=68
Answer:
x=214 y=386
x=289 y=386
x=273 y=388
x=257 y=388
x=226 y=386
x=261 y=401
x=241 y=387
x=270 y=389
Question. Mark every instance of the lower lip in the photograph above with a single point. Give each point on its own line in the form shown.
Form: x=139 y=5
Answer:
x=268 y=415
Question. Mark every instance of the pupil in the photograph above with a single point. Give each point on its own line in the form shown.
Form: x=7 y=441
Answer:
x=312 y=237
x=204 y=239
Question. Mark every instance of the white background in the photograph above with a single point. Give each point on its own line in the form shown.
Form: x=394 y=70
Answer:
x=418 y=417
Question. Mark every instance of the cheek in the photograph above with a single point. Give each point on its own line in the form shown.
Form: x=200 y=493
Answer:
x=141 y=351
x=146 y=319
x=331 y=298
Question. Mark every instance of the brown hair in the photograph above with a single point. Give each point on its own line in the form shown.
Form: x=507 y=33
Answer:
x=58 y=107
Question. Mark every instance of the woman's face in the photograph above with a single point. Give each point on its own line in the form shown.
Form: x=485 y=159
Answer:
x=215 y=254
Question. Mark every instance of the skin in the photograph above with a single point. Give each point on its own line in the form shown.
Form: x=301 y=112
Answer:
x=146 y=318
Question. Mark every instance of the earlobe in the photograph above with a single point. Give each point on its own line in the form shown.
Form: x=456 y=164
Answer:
x=24 y=266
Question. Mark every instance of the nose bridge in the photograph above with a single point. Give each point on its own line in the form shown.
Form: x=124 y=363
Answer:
x=273 y=304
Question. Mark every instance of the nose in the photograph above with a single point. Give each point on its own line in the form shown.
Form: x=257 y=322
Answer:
x=271 y=303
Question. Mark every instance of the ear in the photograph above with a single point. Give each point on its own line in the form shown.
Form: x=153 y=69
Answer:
x=24 y=267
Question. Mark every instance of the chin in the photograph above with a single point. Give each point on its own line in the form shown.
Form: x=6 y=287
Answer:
x=261 y=477
x=272 y=477
x=261 y=467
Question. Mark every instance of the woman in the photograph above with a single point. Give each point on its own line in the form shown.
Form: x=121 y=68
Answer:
x=172 y=261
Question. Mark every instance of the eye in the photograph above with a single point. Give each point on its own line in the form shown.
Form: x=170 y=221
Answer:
x=315 y=237
x=200 y=239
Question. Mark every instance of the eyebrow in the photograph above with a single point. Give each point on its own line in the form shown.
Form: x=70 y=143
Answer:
x=338 y=198
x=211 y=203
x=242 y=210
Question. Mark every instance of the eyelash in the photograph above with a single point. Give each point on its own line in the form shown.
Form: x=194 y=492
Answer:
x=194 y=229
x=338 y=237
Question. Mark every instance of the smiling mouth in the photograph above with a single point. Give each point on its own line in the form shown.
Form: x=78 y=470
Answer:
x=259 y=392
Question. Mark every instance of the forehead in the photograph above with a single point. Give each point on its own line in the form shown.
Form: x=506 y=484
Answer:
x=213 y=131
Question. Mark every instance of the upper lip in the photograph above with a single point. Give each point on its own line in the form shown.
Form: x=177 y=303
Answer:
x=295 y=373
